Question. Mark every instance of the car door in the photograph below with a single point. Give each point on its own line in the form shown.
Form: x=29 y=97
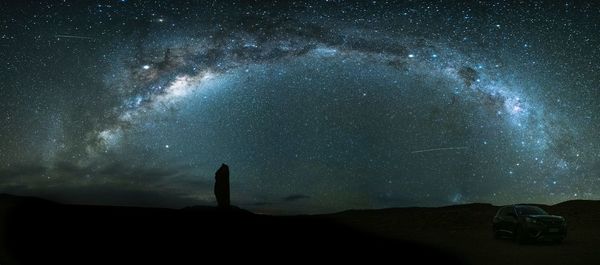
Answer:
x=510 y=221
x=498 y=220
x=507 y=220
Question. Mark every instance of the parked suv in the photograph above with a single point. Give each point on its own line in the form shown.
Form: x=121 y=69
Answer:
x=528 y=222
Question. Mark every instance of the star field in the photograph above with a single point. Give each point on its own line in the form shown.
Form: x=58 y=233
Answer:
x=316 y=105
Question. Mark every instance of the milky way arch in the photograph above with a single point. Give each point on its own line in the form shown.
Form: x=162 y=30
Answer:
x=165 y=72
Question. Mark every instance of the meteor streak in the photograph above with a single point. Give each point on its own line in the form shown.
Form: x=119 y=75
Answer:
x=74 y=37
x=439 y=149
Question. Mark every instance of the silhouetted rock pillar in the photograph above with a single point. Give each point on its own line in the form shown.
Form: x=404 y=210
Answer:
x=222 y=186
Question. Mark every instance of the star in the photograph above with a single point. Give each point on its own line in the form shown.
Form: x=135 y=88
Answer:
x=303 y=95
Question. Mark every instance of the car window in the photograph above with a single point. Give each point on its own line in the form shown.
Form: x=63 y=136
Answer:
x=499 y=212
x=504 y=211
x=530 y=210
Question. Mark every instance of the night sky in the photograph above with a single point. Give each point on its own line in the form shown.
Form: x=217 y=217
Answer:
x=316 y=106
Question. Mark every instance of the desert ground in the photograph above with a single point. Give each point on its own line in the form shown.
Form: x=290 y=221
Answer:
x=34 y=231
x=465 y=230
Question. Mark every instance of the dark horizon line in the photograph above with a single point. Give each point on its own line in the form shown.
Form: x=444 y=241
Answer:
x=25 y=197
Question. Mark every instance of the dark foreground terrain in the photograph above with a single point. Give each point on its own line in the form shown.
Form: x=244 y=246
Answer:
x=35 y=231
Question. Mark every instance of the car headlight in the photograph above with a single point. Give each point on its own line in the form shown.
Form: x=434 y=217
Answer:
x=531 y=220
x=562 y=220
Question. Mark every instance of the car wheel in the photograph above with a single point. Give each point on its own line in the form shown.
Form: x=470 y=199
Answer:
x=520 y=236
x=496 y=234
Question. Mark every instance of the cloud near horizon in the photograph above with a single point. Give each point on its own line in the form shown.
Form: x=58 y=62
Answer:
x=295 y=197
x=111 y=184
